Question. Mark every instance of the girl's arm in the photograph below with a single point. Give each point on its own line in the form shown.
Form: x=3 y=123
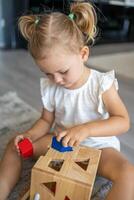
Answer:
x=118 y=121
x=41 y=127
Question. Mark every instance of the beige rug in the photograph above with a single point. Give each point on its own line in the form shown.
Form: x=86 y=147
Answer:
x=122 y=63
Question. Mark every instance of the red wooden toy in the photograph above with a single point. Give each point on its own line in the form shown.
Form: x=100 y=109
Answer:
x=26 y=148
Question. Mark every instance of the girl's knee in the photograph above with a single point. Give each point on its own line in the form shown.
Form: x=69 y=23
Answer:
x=126 y=171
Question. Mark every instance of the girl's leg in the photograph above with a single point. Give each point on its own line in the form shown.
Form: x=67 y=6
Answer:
x=117 y=169
x=11 y=164
x=10 y=167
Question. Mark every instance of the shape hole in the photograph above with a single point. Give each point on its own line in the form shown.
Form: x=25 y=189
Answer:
x=56 y=164
x=83 y=164
x=51 y=186
x=66 y=198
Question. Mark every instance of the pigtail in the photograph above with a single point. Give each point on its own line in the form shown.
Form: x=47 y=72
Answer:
x=27 y=25
x=86 y=20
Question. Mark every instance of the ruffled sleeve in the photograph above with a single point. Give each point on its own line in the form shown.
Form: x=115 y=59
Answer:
x=47 y=93
x=106 y=81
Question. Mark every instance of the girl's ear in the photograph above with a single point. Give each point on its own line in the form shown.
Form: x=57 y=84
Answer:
x=84 y=53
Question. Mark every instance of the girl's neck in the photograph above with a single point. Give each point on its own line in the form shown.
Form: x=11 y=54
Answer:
x=83 y=79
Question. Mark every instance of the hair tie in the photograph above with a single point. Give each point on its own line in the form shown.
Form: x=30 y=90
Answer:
x=37 y=20
x=71 y=16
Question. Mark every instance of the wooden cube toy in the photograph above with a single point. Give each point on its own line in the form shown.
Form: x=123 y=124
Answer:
x=65 y=176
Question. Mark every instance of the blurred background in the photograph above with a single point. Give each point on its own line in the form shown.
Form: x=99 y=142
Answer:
x=115 y=19
x=113 y=49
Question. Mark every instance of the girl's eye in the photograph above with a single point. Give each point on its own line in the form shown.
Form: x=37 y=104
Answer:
x=49 y=75
x=64 y=72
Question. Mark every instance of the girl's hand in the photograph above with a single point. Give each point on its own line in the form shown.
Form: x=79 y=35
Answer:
x=72 y=136
x=18 y=139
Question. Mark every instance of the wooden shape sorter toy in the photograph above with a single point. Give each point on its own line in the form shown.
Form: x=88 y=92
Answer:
x=65 y=176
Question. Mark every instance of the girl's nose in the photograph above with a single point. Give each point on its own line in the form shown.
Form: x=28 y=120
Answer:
x=57 y=78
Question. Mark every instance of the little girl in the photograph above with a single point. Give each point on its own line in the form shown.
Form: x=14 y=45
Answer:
x=82 y=103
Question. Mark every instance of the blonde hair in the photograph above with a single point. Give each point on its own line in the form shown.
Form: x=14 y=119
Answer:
x=44 y=32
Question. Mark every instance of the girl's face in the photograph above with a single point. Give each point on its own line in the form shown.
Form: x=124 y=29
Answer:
x=62 y=68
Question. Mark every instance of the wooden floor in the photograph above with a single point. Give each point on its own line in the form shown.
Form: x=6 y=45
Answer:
x=19 y=73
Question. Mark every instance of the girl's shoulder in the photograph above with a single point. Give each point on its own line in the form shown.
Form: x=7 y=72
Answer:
x=104 y=80
x=101 y=74
x=47 y=89
x=46 y=85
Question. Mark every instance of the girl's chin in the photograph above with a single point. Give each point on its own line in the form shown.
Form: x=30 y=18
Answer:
x=69 y=86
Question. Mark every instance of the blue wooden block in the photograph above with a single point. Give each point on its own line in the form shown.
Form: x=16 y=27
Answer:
x=59 y=147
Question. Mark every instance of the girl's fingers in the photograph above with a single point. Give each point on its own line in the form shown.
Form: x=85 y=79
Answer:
x=18 y=152
x=65 y=141
x=17 y=140
x=61 y=135
x=71 y=143
x=76 y=144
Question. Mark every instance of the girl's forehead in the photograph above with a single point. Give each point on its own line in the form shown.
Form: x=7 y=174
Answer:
x=59 y=52
x=58 y=60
